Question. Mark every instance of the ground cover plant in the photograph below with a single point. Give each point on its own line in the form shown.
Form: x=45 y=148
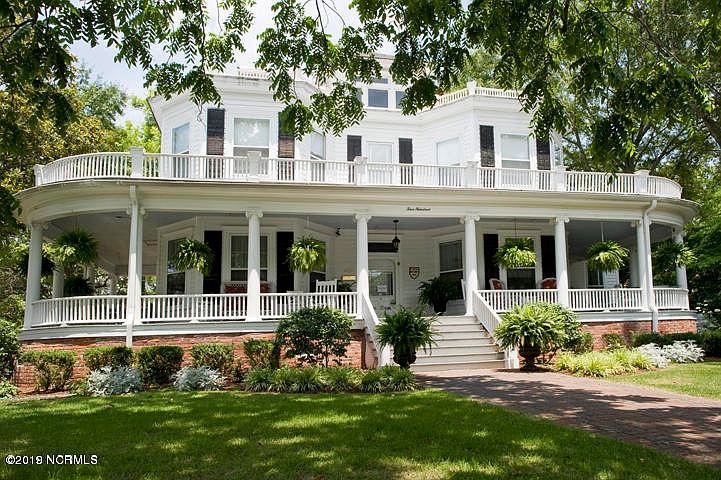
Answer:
x=698 y=379
x=219 y=435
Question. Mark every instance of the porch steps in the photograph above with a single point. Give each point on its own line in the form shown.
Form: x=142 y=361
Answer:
x=462 y=343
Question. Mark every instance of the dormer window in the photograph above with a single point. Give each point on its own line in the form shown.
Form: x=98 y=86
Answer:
x=251 y=134
x=515 y=151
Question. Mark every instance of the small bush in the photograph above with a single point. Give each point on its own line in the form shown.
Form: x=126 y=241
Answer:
x=662 y=339
x=237 y=372
x=53 y=368
x=683 y=351
x=314 y=335
x=198 y=378
x=7 y=389
x=113 y=381
x=214 y=355
x=342 y=379
x=157 y=364
x=114 y=357
x=372 y=382
x=259 y=379
x=308 y=380
x=711 y=343
x=262 y=353
x=631 y=360
x=655 y=355
x=613 y=341
x=9 y=347
x=397 y=379
x=582 y=343
x=283 y=379
x=591 y=364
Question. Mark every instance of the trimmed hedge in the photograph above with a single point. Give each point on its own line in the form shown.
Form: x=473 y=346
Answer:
x=53 y=368
x=709 y=341
x=214 y=355
x=157 y=364
x=262 y=353
x=113 y=357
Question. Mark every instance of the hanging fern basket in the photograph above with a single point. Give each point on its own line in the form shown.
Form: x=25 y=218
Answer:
x=516 y=253
x=606 y=256
x=77 y=247
x=306 y=255
x=668 y=255
x=194 y=254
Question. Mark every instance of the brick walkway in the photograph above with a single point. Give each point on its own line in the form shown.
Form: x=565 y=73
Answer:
x=678 y=424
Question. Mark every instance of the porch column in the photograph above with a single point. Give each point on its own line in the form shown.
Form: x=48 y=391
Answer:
x=471 y=260
x=641 y=251
x=58 y=281
x=648 y=271
x=253 y=312
x=559 y=232
x=681 y=280
x=135 y=266
x=362 y=254
x=35 y=260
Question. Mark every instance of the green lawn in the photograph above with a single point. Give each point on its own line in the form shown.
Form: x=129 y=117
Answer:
x=235 y=435
x=701 y=379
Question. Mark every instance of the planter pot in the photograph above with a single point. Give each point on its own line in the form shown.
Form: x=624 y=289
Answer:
x=529 y=354
x=439 y=307
x=404 y=359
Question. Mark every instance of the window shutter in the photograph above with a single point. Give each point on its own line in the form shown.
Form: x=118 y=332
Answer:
x=490 y=246
x=286 y=141
x=215 y=131
x=405 y=156
x=543 y=154
x=548 y=256
x=354 y=147
x=488 y=155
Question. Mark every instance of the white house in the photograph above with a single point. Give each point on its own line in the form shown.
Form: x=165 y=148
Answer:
x=451 y=183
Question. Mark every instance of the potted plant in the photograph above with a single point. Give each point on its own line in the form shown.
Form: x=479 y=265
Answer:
x=77 y=247
x=668 y=255
x=194 y=254
x=437 y=291
x=606 y=256
x=406 y=331
x=306 y=255
x=516 y=253
x=533 y=328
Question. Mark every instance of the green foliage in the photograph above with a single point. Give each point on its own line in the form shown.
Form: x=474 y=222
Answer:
x=437 y=291
x=582 y=343
x=307 y=380
x=113 y=357
x=12 y=309
x=602 y=364
x=157 y=364
x=372 y=382
x=342 y=379
x=406 y=331
x=9 y=347
x=259 y=379
x=661 y=339
x=213 y=355
x=112 y=381
x=194 y=254
x=535 y=324
x=515 y=253
x=77 y=286
x=306 y=255
x=76 y=247
x=613 y=341
x=314 y=378
x=53 y=368
x=7 y=389
x=262 y=354
x=201 y=378
x=711 y=343
x=397 y=379
x=314 y=335
x=606 y=256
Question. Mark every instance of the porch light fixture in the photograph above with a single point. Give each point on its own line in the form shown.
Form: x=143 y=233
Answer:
x=396 y=241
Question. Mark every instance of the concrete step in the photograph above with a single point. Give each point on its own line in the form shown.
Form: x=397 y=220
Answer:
x=439 y=367
x=458 y=327
x=471 y=340
x=454 y=319
x=443 y=349
x=469 y=334
x=458 y=358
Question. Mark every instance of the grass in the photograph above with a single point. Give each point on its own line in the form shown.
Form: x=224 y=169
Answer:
x=226 y=435
x=701 y=379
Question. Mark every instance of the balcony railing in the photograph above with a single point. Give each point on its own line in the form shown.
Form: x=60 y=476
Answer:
x=360 y=172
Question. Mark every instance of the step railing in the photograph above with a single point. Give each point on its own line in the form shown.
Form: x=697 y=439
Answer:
x=490 y=321
x=371 y=322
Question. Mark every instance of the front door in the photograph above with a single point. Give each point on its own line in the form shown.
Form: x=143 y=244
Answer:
x=381 y=278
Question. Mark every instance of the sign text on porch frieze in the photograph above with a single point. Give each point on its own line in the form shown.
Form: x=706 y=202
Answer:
x=418 y=209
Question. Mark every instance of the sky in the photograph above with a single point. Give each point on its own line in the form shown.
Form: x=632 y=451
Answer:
x=100 y=59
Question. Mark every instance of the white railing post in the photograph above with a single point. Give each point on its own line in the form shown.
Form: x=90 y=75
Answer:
x=254 y=166
x=361 y=170
x=39 y=180
x=641 y=178
x=559 y=179
x=471 y=173
x=137 y=154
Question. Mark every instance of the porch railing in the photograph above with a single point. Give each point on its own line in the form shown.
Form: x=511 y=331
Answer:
x=671 y=298
x=600 y=299
x=201 y=307
x=360 y=172
x=65 y=311
x=278 y=305
x=504 y=300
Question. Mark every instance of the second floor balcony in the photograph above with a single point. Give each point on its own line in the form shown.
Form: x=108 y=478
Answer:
x=254 y=168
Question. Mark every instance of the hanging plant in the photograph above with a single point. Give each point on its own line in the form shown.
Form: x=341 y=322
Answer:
x=668 y=255
x=516 y=253
x=606 y=256
x=76 y=248
x=306 y=255
x=194 y=254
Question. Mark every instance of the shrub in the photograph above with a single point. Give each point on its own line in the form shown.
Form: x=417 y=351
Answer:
x=9 y=347
x=372 y=382
x=397 y=379
x=662 y=339
x=582 y=344
x=683 y=352
x=237 y=372
x=631 y=360
x=214 y=355
x=613 y=341
x=53 y=368
x=7 y=389
x=342 y=379
x=711 y=343
x=262 y=353
x=591 y=364
x=198 y=378
x=114 y=357
x=655 y=355
x=282 y=380
x=406 y=331
x=313 y=335
x=113 y=381
x=308 y=380
x=157 y=364
x=259 y=379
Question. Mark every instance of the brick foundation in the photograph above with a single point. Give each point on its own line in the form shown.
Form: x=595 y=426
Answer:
x=24 y=376
x=627 y=329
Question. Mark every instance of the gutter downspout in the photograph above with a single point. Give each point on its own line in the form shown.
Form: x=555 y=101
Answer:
x=649 y=267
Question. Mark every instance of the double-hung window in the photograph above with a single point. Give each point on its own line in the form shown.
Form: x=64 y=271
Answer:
x=250 y=135
x=515 y=151
x=181 y=144
x=317 y=152
x=174 y=278
x=239 y=258
x=451 y=261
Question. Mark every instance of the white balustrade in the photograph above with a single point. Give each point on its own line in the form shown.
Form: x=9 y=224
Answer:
x=490 y=321
x=602 y=299
x=72 y=310
x=504 y=300
x=371 y=321
x=671 y=298
x=205 y=307
x=278 y=305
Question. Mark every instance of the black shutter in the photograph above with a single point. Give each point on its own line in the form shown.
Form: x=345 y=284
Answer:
x=548 y=256
x=284 y=240
x=488 y=155
x=286 y=141
x=405 y=156
x=543 y=155
x=216 y=131
x=490 y=246
x=214 y=239
x=354 y=147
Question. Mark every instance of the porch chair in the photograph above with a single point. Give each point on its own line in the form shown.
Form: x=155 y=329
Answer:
x=547 y=283
x=496 y=284
x=326 y=286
